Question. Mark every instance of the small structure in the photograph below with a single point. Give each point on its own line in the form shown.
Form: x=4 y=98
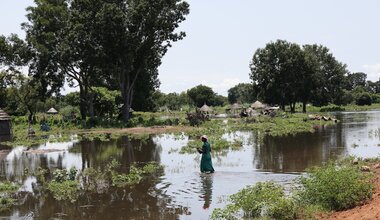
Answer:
x=5 y=124
x=205 y=109
x=235 y=109
x=52 y=111
x=258 y=105
x=249 y=112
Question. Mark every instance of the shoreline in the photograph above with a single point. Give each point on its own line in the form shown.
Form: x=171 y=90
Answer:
x=369 y=209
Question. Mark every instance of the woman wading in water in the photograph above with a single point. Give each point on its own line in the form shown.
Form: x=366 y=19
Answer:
x=206 y=163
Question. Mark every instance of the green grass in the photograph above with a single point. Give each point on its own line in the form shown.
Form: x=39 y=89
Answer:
x=335 y=186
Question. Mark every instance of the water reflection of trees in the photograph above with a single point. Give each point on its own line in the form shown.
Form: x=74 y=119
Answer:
x=143 y=201
x=296 y=153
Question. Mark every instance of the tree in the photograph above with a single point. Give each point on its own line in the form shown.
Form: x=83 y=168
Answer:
x=201 y=95
x=277 y=70
x=25 y=91
x=136 y=34
x=364 y=99
x=329 y=76
x=355 y=79
x=63 y=36
x=284 y=73
x=45 y=30
x=373 y=87
x=241 y=93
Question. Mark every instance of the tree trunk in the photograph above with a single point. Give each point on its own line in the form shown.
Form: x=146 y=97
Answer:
x=82 y=102
x=304 y=107
x=91 y=105
x=292 y=107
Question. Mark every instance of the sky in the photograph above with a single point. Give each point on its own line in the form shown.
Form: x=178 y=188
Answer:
x=222 y=36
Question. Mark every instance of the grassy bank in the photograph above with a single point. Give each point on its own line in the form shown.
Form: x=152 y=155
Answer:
x=145 y=124
x=221 y=132
x=335 y=108
x=335 y=186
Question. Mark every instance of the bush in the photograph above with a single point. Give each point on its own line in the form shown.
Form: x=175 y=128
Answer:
x=375 y=98
x=336 y=187
x=332 y=108
x=363 y=99
x=261 y=200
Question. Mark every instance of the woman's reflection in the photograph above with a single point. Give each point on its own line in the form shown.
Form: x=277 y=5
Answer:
x=206 y=191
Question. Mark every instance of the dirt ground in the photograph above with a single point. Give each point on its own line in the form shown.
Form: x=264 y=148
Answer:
x=368 y=210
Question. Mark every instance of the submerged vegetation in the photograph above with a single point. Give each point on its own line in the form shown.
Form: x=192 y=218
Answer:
x=221 y=132
x=7 y=195
x=332 y=187
x=69 y=185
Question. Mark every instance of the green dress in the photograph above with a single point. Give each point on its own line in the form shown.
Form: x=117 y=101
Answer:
x=206 y=163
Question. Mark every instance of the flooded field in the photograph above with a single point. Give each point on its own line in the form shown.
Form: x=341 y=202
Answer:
x=180 y=192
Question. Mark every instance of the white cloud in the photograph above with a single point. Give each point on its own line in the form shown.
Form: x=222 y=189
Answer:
x=372 y=71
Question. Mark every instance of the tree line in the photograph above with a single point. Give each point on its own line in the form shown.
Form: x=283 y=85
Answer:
x=115 y=44
x=284 y=73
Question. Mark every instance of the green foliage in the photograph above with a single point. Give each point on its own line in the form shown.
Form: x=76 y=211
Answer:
x=201 y=95
x=363 y=99
x=283 y=73
x=241 y=93
x=336 y=187
x=7 y=191
x=7 y=187
x=135 y=175
x=105 y=101
x=261 y=200
x=66 y=190
x=332 y=108
x=6 y=203
x=132 y=178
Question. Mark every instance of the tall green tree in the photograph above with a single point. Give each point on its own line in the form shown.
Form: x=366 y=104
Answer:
x=136 y=34
x=329 y=76
x=276 y=71
x=201 y=95
x=25 y=91
x=45 y=30
x=242 y=93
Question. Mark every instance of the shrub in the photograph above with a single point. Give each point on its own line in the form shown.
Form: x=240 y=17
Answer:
x=332 y=108
x=261 y=200
x=364 y=99
x=336 y=187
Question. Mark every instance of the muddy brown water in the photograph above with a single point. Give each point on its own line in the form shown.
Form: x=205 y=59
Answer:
x=181 y=192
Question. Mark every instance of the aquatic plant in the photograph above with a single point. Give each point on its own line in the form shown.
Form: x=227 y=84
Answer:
x=7 y=192
x=135 y=175
x=66 y=190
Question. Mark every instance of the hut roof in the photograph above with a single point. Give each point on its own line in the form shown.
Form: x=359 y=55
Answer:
x=4 y=116
x=257 y=105
x=235 y=106
x=52 y=111
x=205 y=108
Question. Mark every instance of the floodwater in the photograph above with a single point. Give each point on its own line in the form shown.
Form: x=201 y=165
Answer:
x=181 y=192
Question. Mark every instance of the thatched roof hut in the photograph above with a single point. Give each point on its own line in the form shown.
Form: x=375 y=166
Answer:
x=52 y=111
x=236 y=106
x=257 y=105
x=5 y=123
x=205 y=108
